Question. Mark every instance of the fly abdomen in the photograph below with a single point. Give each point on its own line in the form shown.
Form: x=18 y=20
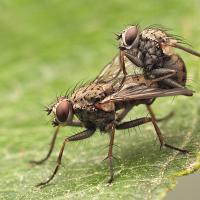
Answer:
x=175 y=62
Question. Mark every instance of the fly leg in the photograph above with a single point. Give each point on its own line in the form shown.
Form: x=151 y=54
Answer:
x=121 y=62
x=166 y=117
x=132 y=58
x=75 y=123
x=110 y=155
x=123 y=113
x=159 y=134
x=133 y=123
x=79 y=136
x=172 y=83
x=140 y=121
x=136 y=61
x=52 y=144
x=186 y=49
x=163 y=75
x=126 y=110
x=122 y=66
x=50 y=150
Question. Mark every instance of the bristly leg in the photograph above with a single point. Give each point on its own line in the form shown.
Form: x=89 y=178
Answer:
x=140 y=121
x=133 y=123
x=162 y=74
x=110 y=155
x=79 y=136
x=126 y=110
x=172 y=83
x=52 y=144
x=122 y=67
x=134 y=59
x=159 y=134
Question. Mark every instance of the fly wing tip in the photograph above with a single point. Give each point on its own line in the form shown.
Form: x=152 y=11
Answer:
x=186 y=49
x=189 y=92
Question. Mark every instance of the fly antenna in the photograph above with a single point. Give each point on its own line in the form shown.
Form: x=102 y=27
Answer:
x=118 y=36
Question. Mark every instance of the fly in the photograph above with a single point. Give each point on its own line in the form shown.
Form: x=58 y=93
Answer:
x=152 y=50
x=103 y=104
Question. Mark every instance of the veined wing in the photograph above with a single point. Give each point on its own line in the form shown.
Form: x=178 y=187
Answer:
x=112 y=71
x=136 y=90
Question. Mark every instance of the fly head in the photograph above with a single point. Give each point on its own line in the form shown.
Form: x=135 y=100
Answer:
x=129 y=38
x=62 y=111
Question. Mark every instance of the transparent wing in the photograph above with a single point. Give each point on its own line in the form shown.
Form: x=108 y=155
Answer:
x=148 y=93
x=134 y=89
x=112 y=71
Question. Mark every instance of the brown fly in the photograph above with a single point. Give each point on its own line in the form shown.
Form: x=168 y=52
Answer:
x=103 y=104
x=152 y=50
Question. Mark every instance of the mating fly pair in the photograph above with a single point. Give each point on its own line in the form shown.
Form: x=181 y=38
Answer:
x=152 y=50
x=104 y=103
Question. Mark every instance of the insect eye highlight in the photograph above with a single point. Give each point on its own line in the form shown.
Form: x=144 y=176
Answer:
x=130 y=35
x=62 y=111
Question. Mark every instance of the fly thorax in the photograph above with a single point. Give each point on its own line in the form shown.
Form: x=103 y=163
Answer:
x=150 y=53
x=155 y=35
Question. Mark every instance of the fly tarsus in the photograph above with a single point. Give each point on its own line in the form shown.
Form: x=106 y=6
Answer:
x=159 y=134
x=50 y=150
x=79 y=136
x=184 y=151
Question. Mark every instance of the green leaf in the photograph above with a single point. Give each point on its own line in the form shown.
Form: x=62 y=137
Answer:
x=49 y=46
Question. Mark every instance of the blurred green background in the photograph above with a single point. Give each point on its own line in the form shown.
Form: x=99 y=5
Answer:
x=47 y=47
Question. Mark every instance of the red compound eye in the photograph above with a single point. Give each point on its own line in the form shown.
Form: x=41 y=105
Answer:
x=62 y=111
x=130 y=35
